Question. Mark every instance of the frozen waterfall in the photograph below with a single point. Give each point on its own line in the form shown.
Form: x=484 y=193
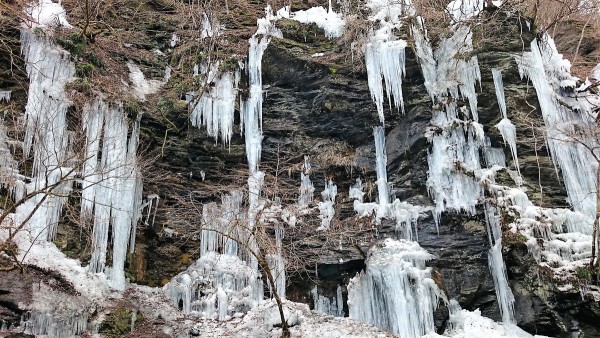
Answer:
x=396 y=291
x=504 y=294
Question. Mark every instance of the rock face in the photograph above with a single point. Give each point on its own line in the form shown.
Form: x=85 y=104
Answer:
x=317 y=104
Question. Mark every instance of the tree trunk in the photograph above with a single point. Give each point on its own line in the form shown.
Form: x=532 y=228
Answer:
x=285 y=330
x=593 y=261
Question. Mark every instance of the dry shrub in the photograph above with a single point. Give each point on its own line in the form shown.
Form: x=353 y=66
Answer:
x=355 y=36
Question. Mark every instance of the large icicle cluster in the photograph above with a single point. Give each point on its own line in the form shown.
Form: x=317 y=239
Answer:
x=555 y=237
x=455 y=134
x=567 y=117
x=396 y=291
x=384 y=55
x=225 y=280
x=216 y=286
x=215 y=108
x=107 y=170
x=55 y=314
x=332 y=306
x=111 y=183
x=46 y=135
x=221 y=283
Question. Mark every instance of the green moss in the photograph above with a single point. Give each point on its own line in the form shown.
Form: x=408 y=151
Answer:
x=84 y=69
x=132 y=108
x=512 y=239
x=74 y=43
x=170 y=106
x=119 y=322
x=332 y=70
x=82 y=85
x=229 y=65
x=583 y=273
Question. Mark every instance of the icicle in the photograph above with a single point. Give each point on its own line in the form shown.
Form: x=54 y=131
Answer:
x=505 y=126
x=215 y=108
x=277 y=264
x=111 y=186
x=497 y=76
x=504 y=294
x=405 y=214
x=326 y=207
x=549 y=73
x=306 y=187
x=5 y=95
x=396 y=291
x=381 y=159
x=49 y=70
x=493 y=156
x=385 y=63
x=509 y=134
x=327 y=305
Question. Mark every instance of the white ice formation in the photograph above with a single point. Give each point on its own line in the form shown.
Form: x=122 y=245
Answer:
x=566 y=118
x=331 y=22
x=5 y=95
x=505 y=126
x=111 y=184
x=404 y=214
x=107 y=168
x=455 y=134
x=326 y=207
x=225 y=280
x=307 y=189
x=56 y=314
x=384 y=54
x=216 y=106
x=497 y=267
x=329 y=305
x=46 y=136
x=396 y=291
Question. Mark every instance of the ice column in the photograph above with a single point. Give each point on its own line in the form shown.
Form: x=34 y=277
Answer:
x=306 y=187
x=277 y=263
x=504 y=294
x=326 y=207
x=396 y=291
x=550 y=75
x=381 y=160
x=455 y=134
x=112 y=188
x=46 y=137
x=10 y=178
x=505 y=126
x=405 y=214
x=332 y=306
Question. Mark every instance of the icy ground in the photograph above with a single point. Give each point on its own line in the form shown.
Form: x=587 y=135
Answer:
x=263 y=321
